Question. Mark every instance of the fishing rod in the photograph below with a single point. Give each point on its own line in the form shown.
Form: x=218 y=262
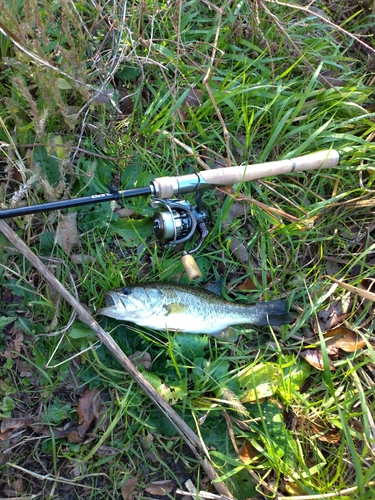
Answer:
x=178 y=219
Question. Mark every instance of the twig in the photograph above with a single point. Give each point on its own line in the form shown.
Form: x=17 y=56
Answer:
x=187 y=148
x=190 y=438
x=49 y=477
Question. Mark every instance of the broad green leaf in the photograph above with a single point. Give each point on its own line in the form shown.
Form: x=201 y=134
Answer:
x=190 y=346
x=292 y=378
x=259 y=381
x=171 y=394
x=4 y=321
x=133 y=232
x=79 y=330
x=128 y=73
x=56 y=412
x=7 y=406
x=63 y=84
x=49 y=165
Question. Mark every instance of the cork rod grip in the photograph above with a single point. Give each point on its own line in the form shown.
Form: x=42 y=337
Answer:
x=232 y=175
x=169 y=186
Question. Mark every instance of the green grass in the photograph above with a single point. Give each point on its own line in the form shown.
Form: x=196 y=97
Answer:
x=61 y=138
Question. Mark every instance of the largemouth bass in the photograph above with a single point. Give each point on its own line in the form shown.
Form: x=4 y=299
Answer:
x=174 y=307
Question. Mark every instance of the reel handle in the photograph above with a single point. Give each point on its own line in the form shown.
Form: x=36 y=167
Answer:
x=166 y=187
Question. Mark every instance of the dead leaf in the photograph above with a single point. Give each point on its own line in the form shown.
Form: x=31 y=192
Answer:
x=10 y=425
x=74 y=435
x=14 y=343
x=141 y=358
x=160 y=487
x=314 y=358
x=126 y=104
x=107 y=451
x=103 y=96
x=343 y=338
x=325 y=431
x=239 y=250
x=147 y=441
x=191 y=101
x=146 y=445
x=331 y=317
x=15 y=488
x=248 y=284
x=87 y=409
x=127 y=488
x=67 y=236
x=248 y=453
x=125 y=212
x=10 y=298
x=79 y=258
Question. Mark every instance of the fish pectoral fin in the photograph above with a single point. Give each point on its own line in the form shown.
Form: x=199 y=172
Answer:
x=230 y=334
x=174 y=308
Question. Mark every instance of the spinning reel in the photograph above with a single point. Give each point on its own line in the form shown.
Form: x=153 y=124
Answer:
x=177 y=222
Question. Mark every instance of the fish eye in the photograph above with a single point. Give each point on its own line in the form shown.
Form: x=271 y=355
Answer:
x=126 y=291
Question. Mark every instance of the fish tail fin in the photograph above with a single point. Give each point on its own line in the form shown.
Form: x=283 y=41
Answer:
x=274 y=313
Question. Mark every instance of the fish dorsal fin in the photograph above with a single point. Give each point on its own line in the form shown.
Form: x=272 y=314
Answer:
x=174 y=308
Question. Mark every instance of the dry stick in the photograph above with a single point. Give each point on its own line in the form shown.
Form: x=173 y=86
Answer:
x=187 y=148
x=191 y=439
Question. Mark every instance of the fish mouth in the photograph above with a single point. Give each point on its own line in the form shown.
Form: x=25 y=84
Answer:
x=109 y=300
x=113 y=305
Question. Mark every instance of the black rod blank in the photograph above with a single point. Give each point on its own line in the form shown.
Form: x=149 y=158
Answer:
x=75 y=202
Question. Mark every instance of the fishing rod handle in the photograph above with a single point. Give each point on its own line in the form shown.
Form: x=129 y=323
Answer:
x=166 y=187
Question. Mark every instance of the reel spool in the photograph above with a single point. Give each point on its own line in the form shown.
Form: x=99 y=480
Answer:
x=177 y=224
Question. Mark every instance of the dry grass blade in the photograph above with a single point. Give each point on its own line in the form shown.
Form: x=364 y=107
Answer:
x=350 y=288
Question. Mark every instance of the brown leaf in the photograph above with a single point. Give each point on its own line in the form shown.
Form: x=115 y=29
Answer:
x=10 y=425
x=10 y=298
x=126 y=104
x=331 y=317
x=314 y=358
x=14 y=343
x=14 y=488
x=146 y=443
x=141 y=358
x=248 y=284
x=247 y=453
x=127 y=488
x=104 y=96
x=343 y=338
x=107 y=451
x=239 y=250
x=191 y=101
x=74 y=435
x=160 y=487
x=67 y=236
x=325 y=431
x=87 y=409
